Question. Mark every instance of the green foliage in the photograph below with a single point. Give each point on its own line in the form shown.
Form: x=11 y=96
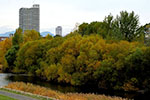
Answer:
x=127 y=24
x=31 y=59
x=11 y=56
x=78 y=79
x=18 y=37
x=83 y=28
x=124 y=27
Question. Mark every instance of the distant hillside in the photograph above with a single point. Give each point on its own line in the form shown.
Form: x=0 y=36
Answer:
x=43 y=34
x=7 y=34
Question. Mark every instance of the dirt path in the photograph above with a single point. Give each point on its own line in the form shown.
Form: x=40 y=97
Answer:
x=16 y=96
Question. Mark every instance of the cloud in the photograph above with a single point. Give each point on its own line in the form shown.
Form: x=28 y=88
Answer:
x=4 y=29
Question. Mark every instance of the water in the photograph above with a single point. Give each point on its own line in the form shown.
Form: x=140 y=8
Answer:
x=5 y=79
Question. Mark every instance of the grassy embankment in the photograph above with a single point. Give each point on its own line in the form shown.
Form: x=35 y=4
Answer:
x=2 y=97
x=28 y=94
x=54 y=94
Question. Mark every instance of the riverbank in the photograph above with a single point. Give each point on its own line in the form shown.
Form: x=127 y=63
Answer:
x=34 y=89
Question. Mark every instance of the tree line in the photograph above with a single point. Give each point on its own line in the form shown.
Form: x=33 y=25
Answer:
x=125 y=26
x=109 y=54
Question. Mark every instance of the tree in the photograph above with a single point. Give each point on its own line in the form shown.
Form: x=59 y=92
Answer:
x=82 y=29
x=4 y=47
x=10 y=56
x=68 y=63
x=126 y=25
x=49 y=37
x=50 y=72
x=108 y=26
x=33 y=52
x=18 y=37
x=30 y=35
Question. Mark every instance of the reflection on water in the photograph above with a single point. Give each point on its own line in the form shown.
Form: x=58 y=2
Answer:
x=8 y=78
x=38 y=81
x=3 y=79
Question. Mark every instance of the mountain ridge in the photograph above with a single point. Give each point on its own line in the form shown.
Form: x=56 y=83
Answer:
x=43 y=34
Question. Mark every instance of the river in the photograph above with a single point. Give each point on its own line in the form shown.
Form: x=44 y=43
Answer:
x=5 y=79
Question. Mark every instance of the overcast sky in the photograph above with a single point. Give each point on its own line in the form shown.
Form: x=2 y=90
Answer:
x=67 y=13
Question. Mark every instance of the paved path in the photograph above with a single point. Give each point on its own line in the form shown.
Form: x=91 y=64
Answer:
x=16 y=96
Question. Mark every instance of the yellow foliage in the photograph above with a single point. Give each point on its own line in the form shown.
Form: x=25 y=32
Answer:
x=30 y=35
x=4 y=47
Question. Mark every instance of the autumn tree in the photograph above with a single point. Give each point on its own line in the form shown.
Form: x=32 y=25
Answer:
x=18 y=37
x=48 y=37
x=33 y=52
x=30 y=35
x=4 y=47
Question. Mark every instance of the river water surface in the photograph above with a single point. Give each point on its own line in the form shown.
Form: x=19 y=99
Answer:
x=5 y=79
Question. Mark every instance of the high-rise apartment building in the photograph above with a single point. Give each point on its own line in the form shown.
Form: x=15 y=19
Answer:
x=59 y=30
x=29 y=18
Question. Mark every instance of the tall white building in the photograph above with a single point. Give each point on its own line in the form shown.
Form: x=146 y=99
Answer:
x=29 y=18
x=59 y=30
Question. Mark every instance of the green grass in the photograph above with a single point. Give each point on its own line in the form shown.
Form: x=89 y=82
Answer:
x=2 y=97
x=33 y=96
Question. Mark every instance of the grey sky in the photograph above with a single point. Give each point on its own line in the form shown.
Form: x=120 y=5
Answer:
x=68 y=12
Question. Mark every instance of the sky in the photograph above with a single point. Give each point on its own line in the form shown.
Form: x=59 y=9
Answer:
x=67 y=13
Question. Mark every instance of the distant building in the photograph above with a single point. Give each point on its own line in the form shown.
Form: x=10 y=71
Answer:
x=29 y=18
x=59 y=30
x=3 y=38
